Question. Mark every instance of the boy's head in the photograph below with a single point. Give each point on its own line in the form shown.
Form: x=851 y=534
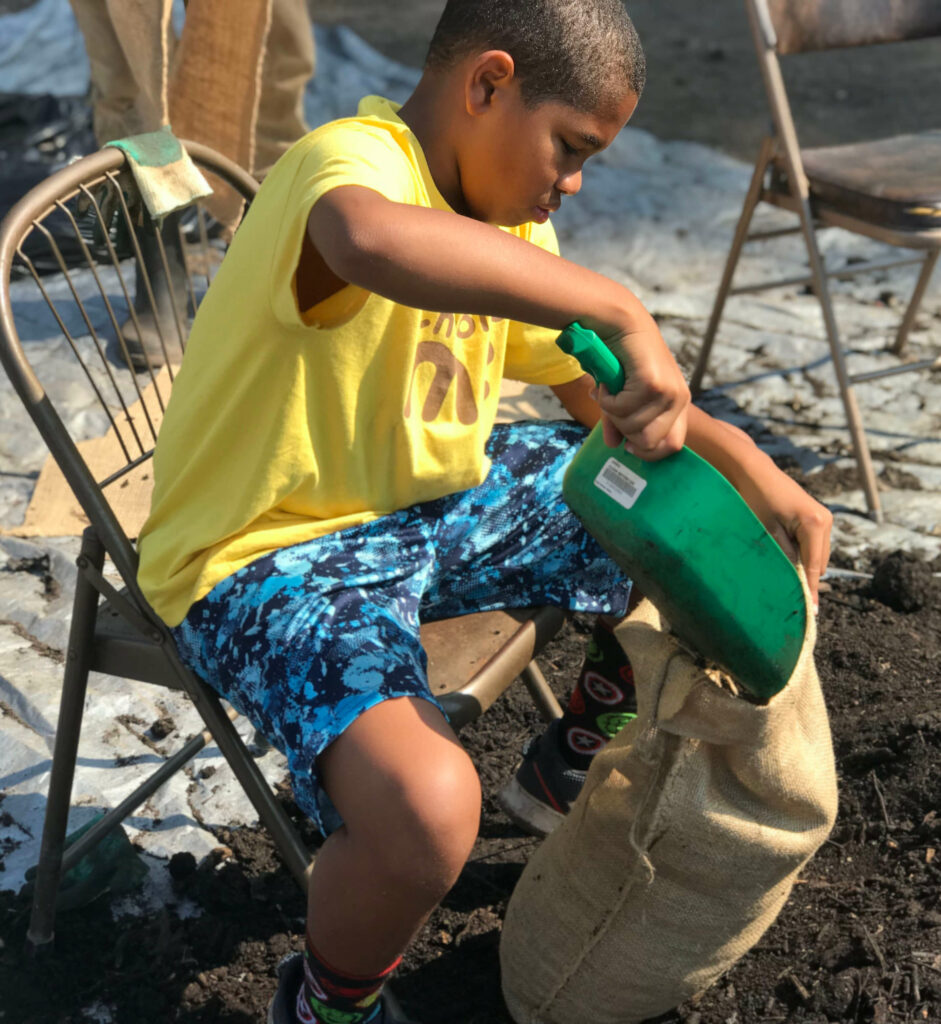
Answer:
x=536 y=87
x=573 y=51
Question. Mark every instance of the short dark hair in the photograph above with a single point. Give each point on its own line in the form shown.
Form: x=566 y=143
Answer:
x=568 y=50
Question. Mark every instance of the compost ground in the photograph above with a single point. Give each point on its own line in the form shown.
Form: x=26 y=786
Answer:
x=859 y=940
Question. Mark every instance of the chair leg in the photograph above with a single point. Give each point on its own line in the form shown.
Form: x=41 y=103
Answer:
x=924 y=276
x=75 y=681
x=295 y=855
x=544 y=699
x=741 y=235
x=867 y=474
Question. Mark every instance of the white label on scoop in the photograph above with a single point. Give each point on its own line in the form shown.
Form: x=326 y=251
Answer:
x=620 y=483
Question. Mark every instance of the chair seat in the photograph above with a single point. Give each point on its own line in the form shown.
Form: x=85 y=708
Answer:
x=471 y=658
x=893 y=182
x=475 y=653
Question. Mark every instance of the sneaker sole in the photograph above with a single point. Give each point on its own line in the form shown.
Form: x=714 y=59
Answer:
x=526 y=811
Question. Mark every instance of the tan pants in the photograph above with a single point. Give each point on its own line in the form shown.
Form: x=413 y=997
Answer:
x=234 y=80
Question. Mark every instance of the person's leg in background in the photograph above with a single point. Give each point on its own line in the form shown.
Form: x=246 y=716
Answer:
x=289 y=62
x=131 y=47
x=241 y=93
x=215 y=80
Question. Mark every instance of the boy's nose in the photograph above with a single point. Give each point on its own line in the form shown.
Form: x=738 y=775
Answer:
x=569 y=184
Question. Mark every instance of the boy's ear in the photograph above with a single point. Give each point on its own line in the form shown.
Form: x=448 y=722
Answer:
x=488 y=73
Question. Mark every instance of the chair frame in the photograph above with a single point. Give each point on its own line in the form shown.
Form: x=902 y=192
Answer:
x=780 y=151
x=116 y=632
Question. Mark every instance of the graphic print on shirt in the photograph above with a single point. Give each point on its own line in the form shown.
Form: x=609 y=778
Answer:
x=449 y=368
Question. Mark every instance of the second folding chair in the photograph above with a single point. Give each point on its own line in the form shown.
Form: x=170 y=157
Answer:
x=885 y=189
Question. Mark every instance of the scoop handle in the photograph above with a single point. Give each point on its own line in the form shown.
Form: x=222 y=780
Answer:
x=594 y=356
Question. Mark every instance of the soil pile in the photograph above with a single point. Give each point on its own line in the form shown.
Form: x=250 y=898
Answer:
x=904 y=583
x=859 y=942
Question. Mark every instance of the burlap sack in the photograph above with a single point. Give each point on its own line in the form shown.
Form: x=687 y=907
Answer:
x=234 y=81
x=682 y=848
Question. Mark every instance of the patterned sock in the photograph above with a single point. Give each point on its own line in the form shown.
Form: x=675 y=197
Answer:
x=602 y=703
x=328 y=996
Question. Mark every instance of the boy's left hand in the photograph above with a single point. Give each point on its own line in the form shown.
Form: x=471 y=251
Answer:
x=799 y=523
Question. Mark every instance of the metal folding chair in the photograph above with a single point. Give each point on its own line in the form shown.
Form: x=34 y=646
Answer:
x=80 y=237
x=887 y=189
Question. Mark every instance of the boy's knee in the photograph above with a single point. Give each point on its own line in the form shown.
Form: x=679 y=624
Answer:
x=408 y=794
x=439 y=821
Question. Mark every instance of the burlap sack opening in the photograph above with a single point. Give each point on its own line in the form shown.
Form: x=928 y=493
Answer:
x=682 y=848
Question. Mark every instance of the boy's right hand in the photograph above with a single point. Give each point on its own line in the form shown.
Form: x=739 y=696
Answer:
x=650 y=411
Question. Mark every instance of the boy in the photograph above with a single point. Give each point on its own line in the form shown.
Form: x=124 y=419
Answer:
x=344 y=480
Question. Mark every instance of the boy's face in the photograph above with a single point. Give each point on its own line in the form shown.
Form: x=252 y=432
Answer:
x=521 y=161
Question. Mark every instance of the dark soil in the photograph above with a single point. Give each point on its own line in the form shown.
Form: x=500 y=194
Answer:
x=859 y=941
x=835 y=479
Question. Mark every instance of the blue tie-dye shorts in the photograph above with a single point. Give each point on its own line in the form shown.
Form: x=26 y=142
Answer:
x=304 y=640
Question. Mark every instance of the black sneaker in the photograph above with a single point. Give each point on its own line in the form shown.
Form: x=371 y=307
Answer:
x=539 y=796
x=283 y=1008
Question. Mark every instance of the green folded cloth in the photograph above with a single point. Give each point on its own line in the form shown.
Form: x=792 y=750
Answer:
x=113 y=865
x=166 y=176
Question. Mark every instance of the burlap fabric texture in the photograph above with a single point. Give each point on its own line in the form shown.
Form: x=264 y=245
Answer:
x=681 y=849
x=234 y=80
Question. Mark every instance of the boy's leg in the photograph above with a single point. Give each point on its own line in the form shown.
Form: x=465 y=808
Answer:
x=602 y=702
x=319 y=646
x=556 y=762
x=409 y=797
x=410 y=801
x=518 y=544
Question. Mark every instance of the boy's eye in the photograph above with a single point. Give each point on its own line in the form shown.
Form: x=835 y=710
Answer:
x=569 y=149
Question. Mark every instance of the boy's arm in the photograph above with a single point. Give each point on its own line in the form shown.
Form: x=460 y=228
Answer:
x=797 y=522
x=440 y=261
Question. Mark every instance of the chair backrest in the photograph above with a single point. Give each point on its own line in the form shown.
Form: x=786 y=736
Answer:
x=73 y=281
x=782 y=27
x=802 y=25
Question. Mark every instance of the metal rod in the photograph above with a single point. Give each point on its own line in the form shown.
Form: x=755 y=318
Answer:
x=921 y=284
x=295 y=855
x=894 y=371
x=757 y=236
x=741 y=230
x=544 y=699
x=843 y=272
x=130 y=803
x=68 y=729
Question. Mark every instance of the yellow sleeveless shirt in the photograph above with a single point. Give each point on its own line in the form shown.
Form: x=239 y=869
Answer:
x=286 y=424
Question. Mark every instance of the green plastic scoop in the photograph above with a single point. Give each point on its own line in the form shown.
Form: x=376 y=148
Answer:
x=683 y=533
